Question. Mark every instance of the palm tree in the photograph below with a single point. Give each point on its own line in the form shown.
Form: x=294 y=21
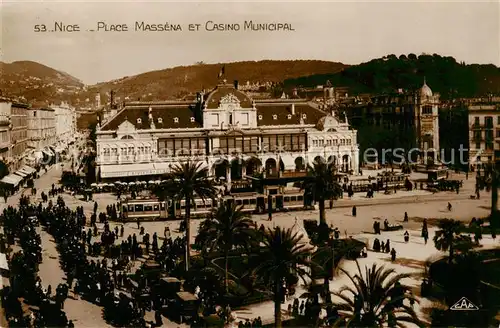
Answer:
x=284 y=257
x=375 y=300
x=227 y=227
x=449 y=237
x=321 y=182
x=185 y=182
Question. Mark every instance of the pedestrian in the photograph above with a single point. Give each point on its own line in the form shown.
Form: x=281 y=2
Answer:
x=406 y=217
x=406 y=236
x=393 y=255
x=426 y=236
x=138 y=223
x=354 y=211
x=449 y=206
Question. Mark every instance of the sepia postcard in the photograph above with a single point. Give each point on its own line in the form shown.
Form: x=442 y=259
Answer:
x=249 y=163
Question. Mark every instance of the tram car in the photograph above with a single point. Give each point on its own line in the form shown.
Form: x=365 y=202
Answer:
x=155 y=209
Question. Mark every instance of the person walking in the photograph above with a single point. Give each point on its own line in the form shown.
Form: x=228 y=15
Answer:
x=354 y=211
x=393 y=255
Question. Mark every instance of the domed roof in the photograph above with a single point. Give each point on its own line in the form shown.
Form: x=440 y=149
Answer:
x=425 y=91
x=227 y=92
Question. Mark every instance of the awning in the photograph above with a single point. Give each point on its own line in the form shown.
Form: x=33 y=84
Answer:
x=12 y=179
x=28 y=169
x=21 y=174
x=127 y=170
x=22 y=170
x=288 y=161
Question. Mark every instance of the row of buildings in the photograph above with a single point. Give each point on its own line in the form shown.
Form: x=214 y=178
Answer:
x=28 y=134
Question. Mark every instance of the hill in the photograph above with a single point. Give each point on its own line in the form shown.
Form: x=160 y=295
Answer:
x=182 y=80
x=387 y=74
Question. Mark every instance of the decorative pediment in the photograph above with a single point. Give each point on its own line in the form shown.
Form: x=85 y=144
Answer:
x=327 y=123
x=230 y=99
x=234 y=130
x=125 y=128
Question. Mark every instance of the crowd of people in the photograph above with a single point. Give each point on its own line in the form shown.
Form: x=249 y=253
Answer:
x=25 y=284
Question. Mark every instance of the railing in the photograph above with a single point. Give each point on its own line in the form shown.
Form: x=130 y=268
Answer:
x=293 y=173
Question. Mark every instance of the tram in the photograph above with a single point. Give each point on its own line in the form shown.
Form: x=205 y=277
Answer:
x=389 y=181
x=155 y=209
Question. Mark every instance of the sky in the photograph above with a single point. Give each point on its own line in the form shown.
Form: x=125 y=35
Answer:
x=350 y=32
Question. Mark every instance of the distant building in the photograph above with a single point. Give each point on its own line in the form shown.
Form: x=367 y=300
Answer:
x=65 y=122
x=18 y=134
x=5 y=126
x=42 y=131
x=484 y=133
x=232 y=134
x=406 y=120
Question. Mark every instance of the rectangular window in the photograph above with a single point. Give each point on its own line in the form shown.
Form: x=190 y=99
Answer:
x=244 y=118
x=478 y=145
x=488 y=121
x=215 y=119
x=287 y=142
x=247 y=146
x=178 y=145
x=489 y=135
x=239 y=144
x=223 y=144
x=272 y=143
x=489 y=146
x=476 y=120
x=265 y=143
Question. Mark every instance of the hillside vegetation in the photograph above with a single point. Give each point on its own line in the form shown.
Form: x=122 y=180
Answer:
x=387 y=74
x=178 y=81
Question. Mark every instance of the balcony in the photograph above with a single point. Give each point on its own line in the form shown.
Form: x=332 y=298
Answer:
x=477 y=126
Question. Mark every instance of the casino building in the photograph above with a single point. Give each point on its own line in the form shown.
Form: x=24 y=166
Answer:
x=232 y=134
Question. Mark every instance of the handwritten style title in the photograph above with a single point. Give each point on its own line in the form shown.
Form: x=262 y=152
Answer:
x=143 y=26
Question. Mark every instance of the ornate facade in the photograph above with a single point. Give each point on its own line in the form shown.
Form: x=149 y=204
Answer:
x=404 y=120
x=232 y=134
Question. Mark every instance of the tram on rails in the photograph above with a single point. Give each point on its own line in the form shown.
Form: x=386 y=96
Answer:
x=155 y=209
x=389 y=181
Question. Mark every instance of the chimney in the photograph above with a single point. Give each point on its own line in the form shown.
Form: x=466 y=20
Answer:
x=236 y=84
x=293 y=109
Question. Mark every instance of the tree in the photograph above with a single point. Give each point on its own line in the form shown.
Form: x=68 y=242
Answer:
x=227 y=227
x=283 y=258
x=185 y=182
x=376 y=299
x=321 y=182
x=4 y=169
x=448 y=237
